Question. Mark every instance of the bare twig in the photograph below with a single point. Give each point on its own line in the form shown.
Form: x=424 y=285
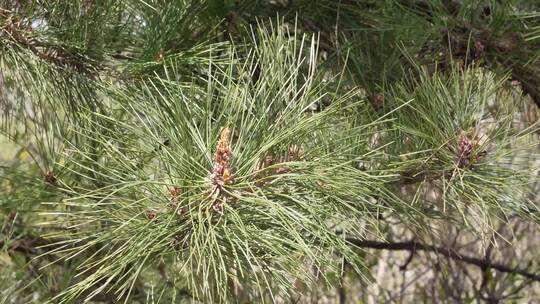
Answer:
x=447 y=252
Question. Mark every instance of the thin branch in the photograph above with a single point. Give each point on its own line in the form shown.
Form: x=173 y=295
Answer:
x=447 y=252
x=412 y=177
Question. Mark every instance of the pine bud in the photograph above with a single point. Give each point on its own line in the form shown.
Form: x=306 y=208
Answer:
x=50 y=177
x=221 y=173
x=174 y=192
x=467 y=148
x=150 y=215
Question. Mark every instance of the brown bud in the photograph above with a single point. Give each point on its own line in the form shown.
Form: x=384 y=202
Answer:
x=50 y=177
x=377 y=101
x=227 y=176
x=161 y=55
x=218 y=207
x=174 y=192
x=151 y=215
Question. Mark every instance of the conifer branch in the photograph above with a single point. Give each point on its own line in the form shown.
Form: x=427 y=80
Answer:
x=30 y=246
x=266 y=144
x=414 y=246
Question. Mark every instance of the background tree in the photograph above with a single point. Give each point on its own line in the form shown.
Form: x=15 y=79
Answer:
x=269 y=151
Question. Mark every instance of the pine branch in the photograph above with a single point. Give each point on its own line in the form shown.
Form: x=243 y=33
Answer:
x=225 y=169
x=415 y=246
x=29 y=247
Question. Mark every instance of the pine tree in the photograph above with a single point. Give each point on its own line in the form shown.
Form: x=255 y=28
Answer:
x=269 y=151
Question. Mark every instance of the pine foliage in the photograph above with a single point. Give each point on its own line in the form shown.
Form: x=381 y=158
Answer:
x=226 y=151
